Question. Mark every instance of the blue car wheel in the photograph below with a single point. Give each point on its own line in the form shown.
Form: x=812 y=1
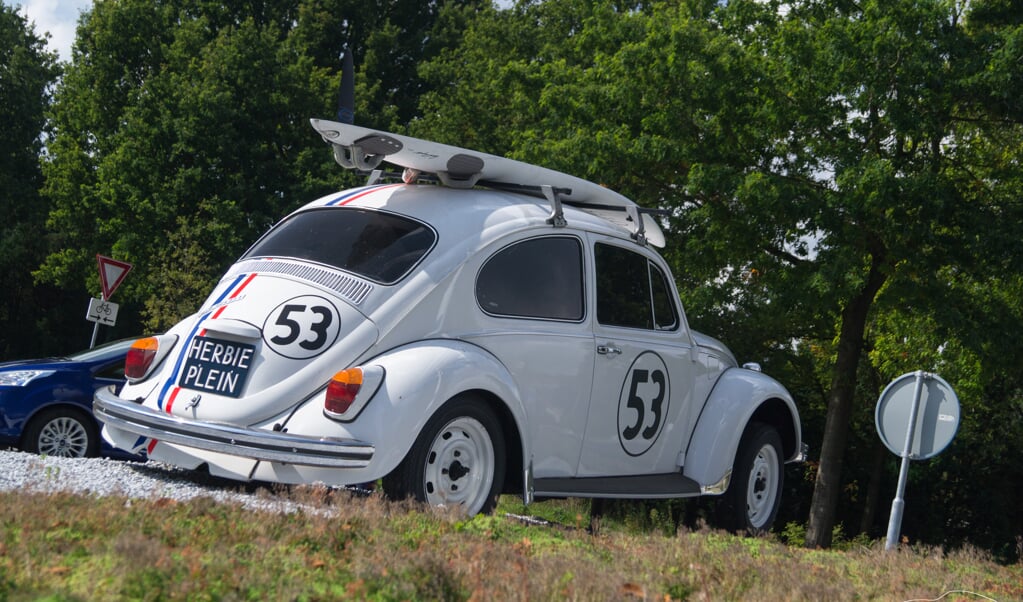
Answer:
x=62 y=432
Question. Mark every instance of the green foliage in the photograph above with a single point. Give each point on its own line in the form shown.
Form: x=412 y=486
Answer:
x=63 y=546
x=27 y=71
x=182 y=134
x=794 y=534
x=842 y=178
x=177 y=123
x=829 y=169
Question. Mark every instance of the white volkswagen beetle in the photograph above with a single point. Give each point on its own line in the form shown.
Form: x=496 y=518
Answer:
x=506 y=329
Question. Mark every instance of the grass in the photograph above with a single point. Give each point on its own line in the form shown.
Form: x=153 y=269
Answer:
x=73 y=547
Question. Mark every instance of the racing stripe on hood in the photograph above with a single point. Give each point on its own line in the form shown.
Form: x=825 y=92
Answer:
x=231 y=292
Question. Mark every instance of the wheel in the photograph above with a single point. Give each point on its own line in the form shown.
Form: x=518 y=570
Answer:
x=457 y=460
x=754 y=495
x=62 y=432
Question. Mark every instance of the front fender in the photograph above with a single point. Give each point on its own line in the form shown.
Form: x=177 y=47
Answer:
x=419 y=379
x=739 y=396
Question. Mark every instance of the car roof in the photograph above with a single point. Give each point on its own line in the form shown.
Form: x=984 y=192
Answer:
x=477 y=212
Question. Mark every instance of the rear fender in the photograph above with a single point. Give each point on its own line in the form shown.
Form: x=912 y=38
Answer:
x=739 y=397
x=418 y=379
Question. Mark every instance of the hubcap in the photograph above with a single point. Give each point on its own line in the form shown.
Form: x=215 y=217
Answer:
x=64 y=437
x=762 y=489
x=460 y=466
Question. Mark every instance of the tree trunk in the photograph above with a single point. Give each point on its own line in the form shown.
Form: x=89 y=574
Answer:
x=840 y=404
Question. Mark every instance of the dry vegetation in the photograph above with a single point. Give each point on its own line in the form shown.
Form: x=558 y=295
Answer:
x=73 y=547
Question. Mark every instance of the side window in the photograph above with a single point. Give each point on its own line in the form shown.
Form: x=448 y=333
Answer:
x=623 y=288
x=665 y=316
x=114 y=371
x=632 y=292
x=536 y=278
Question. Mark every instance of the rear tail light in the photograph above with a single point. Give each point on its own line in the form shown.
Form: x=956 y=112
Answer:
x=342 y=389
x=349 y=391
x=146 y=354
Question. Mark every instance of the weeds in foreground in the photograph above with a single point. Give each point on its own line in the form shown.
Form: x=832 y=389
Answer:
x=341 y=546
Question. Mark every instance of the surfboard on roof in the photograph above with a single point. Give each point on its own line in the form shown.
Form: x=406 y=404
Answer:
x=364 y=149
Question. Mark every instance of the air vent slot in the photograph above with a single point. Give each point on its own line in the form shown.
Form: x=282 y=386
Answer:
x=349 y=287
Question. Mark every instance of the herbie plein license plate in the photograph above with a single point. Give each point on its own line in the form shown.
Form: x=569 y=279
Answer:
x=219 y=367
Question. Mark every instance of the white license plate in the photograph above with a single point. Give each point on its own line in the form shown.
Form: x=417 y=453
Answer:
x=216 y=366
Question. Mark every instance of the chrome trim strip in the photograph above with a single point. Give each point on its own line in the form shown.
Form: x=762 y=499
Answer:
x=804 y=453
x=256 y=444
x=718 y=488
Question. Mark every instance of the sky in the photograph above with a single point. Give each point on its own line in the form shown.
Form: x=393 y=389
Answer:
x=58 y=17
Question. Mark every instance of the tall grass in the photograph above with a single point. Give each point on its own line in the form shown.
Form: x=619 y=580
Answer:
x=340 y=546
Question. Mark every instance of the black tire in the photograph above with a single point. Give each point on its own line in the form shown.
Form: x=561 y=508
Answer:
x=458 y=459
x=63 y=432
x=754 y=494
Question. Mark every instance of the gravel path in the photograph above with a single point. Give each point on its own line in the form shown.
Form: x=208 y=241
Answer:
x=135 y=480
x=152 y=480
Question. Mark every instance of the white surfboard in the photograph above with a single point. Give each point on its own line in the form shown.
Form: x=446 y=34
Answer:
x=364 y=149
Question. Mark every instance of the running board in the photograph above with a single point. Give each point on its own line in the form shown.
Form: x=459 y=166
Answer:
x=670 y=485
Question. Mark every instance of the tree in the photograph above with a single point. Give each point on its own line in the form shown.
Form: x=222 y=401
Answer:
x=819 y=162
x=186 y=122
x=27 y=71
x=904 y=208
x=168 y=114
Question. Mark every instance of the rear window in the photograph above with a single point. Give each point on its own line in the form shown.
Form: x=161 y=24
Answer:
x=379 y=246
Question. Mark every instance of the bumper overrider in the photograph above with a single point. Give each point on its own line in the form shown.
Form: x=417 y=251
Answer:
x=256 y=444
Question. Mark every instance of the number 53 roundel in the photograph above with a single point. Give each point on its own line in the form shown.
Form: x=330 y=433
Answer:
x=643 y=403
x=302 y=327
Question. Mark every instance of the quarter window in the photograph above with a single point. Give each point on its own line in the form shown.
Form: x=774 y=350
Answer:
x=632 y=291
x=536 y=278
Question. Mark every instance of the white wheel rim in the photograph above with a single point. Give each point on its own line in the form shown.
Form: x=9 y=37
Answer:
x=460 y=466
x=64 y=437
x=762 y=489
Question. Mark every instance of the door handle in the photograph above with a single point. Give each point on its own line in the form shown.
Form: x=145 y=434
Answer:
x=608 y=349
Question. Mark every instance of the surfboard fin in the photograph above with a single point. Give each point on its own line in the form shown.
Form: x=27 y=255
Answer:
x=346 y=96
x=463 y=171
x=356 y=157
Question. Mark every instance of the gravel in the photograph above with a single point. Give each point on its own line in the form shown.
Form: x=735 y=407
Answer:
x=151 y=480
x=134 y=480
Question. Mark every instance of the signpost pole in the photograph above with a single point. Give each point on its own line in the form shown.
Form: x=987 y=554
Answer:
x=895 y=520
x=95 y=329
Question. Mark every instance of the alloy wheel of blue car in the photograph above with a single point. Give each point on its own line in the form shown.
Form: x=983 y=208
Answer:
x=61 y=432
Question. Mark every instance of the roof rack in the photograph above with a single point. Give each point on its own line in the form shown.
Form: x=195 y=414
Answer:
x=553 y=194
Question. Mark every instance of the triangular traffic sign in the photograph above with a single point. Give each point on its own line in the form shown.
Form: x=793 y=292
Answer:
x=111 y=274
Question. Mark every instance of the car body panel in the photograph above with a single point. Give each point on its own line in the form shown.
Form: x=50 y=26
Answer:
x=737 y=394
x=72 y=383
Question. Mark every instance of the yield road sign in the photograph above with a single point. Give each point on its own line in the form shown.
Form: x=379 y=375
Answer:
x=111 y=274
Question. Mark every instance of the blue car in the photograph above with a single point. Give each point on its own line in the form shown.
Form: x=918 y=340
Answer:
x=46 y=404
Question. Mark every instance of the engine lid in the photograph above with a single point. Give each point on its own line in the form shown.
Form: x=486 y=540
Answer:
x=264 y=344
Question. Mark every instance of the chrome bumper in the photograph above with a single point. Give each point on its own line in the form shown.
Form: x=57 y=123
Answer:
x=804 y=453
x=257 y=444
